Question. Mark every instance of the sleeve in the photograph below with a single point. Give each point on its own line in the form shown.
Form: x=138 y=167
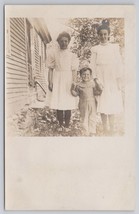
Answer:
x=119 y=63
x=93 y=62
x=50 y=62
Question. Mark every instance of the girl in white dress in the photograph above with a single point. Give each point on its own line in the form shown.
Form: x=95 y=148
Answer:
x=107 y=63
x=62 y=65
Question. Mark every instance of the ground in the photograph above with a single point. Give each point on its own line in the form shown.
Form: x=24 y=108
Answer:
x=42 y=122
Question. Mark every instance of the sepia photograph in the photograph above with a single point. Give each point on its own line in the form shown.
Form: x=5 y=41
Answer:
x=65 y=77
x=70 y=107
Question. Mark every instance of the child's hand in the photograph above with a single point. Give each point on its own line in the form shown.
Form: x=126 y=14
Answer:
x=74 y=93
x=73 y=86
x=73 y=90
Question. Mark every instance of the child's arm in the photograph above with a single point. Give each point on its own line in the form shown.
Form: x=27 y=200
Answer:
x=74 y=90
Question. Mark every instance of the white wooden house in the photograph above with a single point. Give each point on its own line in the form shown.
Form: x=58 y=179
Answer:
x=25 y=61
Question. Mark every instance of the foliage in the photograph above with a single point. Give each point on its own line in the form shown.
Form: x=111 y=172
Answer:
x=84 y=34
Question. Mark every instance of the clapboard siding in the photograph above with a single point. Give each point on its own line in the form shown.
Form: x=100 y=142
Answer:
x=16 y=79
x=19 y=61
x=25 y=62
x=19 y=51
x=17 y=35
x=17 y=90
x=16 y=64
x=12 y=70
x=11 y=74
x=16 y=96
x=17 y=26
x=18 y=67
x=18 y=56
x=20 y=21
x=15 y=30
x=18 y=40
x=14 y=87
x=16 y=45
x=20 y=29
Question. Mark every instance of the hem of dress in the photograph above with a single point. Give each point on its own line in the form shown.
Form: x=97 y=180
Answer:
x=63 y=109
x=102 y=112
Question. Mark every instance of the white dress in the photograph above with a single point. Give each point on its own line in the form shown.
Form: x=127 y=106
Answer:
x=64 y=63
x=107 y=66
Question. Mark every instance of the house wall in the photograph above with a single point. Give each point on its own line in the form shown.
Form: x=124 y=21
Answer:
x=16 y=64
x=25 y=62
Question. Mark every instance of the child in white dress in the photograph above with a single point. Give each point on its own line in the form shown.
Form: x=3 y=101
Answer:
x=107 y=63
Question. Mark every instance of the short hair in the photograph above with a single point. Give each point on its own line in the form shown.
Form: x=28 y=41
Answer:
x=63 y=34
x=104 y=26
x=81 y=71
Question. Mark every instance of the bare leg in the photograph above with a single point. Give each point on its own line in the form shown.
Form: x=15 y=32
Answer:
x=111 y=123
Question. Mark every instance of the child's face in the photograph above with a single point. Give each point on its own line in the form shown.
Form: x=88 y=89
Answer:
x=103 y=36
x=86 y=76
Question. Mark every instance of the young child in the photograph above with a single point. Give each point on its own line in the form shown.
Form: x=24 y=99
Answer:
x=87 y=102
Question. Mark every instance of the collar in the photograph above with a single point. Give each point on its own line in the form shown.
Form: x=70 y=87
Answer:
x=86 y=84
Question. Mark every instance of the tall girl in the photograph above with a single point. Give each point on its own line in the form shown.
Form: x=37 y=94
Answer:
x=107 y=63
